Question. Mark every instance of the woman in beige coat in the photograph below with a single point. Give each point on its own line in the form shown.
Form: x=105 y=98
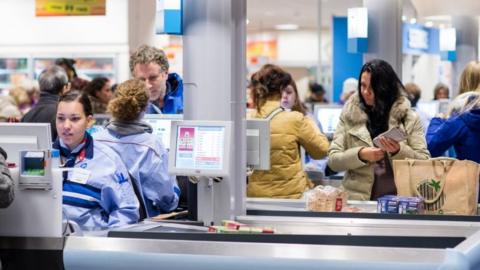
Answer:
x=289 y=130
x=378 y=105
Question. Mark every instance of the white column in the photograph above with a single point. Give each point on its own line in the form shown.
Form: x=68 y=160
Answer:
x=467 y=47
x=214 y=75
x=141 y=23
x=385 y=32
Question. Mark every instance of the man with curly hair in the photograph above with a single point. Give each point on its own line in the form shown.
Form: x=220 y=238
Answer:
x=150 y=64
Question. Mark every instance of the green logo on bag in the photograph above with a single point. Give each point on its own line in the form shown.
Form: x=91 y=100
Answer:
x=434 y=184
x=431 y=191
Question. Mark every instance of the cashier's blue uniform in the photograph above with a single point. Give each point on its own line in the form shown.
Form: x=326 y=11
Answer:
x=147 y=161
x=97 y=194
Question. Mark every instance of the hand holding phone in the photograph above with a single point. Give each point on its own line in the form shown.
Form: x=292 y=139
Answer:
x=389 y=141
x=394 y=134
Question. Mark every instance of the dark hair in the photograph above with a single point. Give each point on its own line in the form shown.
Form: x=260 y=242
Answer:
x=268 y=82
x=53 y=80
x=114 y=87
x=297 y=105
x=68 y=62
x=386 y=87
x=316 y=88
x=80 y=97
x=437 y=89
x=3 y=153
x=95 y=86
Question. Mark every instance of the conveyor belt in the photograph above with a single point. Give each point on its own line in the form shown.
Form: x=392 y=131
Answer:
x=362 y=215
x=348 y=240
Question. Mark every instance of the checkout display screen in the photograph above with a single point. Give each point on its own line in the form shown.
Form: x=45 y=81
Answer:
x=200 y=147
x=329 y=118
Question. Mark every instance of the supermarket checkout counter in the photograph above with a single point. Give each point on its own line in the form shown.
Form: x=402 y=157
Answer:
x=302 y=239
x=306 y=243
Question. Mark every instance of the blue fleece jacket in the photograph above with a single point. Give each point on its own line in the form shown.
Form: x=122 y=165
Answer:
x=462 y=132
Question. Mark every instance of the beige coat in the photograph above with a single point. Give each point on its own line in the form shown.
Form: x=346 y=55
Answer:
x=352 y=134
x=288 y=130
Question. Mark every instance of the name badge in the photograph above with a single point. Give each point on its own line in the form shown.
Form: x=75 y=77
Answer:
x=80 y=175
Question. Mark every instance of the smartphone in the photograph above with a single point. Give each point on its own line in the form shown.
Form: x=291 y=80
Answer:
x=395 y=134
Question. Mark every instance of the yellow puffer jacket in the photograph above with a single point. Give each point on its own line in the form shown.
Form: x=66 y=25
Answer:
x=286 y=178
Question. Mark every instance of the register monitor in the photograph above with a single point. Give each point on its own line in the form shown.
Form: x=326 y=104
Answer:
x=430 y=108
x=15 y=137
x=258 y=144
x=161 y=124
x=328 y=116
x=434 y=107
x=200 y=148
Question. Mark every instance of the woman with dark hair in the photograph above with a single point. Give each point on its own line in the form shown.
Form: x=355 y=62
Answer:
x=379 y=105
x=97 y=194
x=100 y=93
x=288 y=131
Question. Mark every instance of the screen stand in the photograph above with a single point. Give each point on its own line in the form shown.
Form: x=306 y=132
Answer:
x=209 y=198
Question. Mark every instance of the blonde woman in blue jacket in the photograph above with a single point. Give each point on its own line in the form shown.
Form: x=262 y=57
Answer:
x=97 y=193
x=142 y=152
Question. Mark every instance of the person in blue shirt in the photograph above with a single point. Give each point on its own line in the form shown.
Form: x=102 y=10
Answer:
x=461 y=130
x=151 y=65
x=142 y=152
x=97 y=193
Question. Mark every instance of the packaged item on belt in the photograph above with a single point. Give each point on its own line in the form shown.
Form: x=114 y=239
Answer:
x=411 y=205
x=325 y=199
x=390 y=204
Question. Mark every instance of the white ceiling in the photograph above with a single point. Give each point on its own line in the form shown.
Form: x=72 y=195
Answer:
x=263 y=15
x=447 y=7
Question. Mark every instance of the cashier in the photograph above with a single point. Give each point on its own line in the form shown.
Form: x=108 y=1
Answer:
x=378 y=105
x=97 y=194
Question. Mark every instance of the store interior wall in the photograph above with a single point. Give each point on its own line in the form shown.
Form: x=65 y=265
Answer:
x=129 y=23
x=25 y=35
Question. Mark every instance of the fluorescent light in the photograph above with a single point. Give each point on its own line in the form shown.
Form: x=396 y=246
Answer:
x=248 y=21
x=429 y=24
x=404 y=18
x=413 y=20
x=286 y=26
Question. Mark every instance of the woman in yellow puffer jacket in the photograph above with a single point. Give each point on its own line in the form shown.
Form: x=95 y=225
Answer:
x=288 y=131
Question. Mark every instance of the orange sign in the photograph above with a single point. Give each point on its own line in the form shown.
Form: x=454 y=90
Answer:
x=69 y=7
x=261 y=49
